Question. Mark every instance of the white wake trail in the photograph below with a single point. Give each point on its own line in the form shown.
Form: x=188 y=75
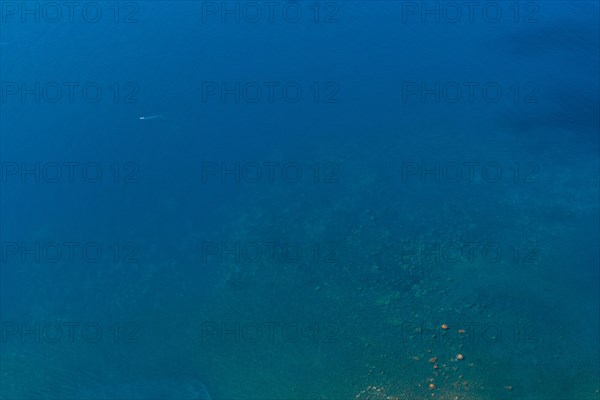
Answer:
x=158 y=116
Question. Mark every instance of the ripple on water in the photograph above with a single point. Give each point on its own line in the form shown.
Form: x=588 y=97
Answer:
x=148 y=390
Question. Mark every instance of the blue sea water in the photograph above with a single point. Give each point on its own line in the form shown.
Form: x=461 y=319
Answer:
x=299 y=200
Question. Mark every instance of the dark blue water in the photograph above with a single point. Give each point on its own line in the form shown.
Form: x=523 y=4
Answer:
x=299 y=200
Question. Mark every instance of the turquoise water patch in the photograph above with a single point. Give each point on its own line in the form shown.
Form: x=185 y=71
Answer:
x=148 y=390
